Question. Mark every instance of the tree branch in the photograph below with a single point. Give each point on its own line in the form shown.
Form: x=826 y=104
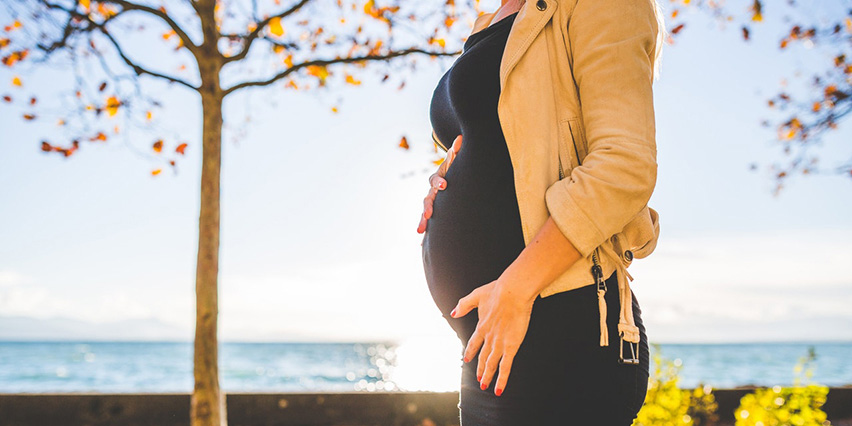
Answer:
x=139 y=70
x=126 y=5
x=327 y=62
x=253 y=35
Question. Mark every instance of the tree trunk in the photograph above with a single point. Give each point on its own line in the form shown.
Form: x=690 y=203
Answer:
x=208 y=402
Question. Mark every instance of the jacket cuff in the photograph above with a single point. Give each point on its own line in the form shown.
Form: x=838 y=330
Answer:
x=570 y=218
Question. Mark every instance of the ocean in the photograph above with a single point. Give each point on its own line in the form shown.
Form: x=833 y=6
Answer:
x=119 y=367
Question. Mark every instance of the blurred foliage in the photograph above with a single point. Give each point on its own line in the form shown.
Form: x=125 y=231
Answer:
x=667 y=405
x=798 y=405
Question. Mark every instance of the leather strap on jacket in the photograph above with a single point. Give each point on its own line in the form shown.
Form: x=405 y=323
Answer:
x=627 y=328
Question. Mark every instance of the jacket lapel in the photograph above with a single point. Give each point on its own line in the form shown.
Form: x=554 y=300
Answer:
x=527 y=25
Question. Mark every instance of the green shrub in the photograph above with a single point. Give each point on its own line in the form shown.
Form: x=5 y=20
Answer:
x=798 y=405
x=668 y=405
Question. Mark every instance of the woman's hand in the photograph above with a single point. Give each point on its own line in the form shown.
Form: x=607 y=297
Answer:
x=504 y=316
x=437 y=181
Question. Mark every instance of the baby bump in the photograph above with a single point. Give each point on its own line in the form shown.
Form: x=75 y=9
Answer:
x=474 y=232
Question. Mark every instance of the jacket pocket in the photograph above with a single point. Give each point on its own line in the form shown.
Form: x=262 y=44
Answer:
x=578 y=139
x=567 y=153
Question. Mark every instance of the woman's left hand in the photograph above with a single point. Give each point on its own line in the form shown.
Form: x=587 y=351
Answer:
x=504 y=317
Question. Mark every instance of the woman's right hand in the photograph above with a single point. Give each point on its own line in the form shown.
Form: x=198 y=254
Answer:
x=437 y=182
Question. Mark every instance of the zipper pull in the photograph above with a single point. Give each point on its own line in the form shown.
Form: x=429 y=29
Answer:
x=597 y=272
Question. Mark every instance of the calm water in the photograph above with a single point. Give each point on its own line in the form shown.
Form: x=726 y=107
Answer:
x=419 y=365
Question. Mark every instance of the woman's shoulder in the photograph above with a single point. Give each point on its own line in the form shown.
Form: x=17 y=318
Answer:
x=481 y=22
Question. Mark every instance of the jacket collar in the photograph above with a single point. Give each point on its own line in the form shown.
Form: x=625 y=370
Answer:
x=529 y=22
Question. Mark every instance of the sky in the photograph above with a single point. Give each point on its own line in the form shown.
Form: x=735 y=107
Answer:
x=320 y=209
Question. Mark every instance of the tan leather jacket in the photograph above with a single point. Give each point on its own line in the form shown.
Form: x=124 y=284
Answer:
x=576 y=108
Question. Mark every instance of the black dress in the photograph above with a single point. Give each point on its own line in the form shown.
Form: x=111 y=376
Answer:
x=560 y=375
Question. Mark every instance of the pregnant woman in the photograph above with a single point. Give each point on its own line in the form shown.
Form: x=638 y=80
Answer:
x=540 y=206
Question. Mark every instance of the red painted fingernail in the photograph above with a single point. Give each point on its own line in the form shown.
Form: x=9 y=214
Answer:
x=466 y=360
x=483 y=386
x=453 y=313
x=441 y=185
x=498 y=392
x=479 y=377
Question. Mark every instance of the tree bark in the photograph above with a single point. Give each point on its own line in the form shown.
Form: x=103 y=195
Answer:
x=208 y=402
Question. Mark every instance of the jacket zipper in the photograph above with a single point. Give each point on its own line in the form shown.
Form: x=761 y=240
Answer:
x=597 y=271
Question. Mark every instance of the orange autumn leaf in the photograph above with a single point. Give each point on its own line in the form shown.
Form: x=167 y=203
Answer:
x=29 y=117
x=181 y=149
x=14 y=26
x=275 y=27
x=404 y=143
x=319 y=71
x=352 y=80
x=100 y=137
x=334 y=110
x=15 y=57
x=158 y=146
x=149 y=115
x=112 y=105
x=16 y=81
x=4 y=42
x=156 y=172
x=86 y=5
x=438 y=161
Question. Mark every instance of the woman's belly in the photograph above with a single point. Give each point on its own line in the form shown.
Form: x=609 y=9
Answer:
x=474 y=232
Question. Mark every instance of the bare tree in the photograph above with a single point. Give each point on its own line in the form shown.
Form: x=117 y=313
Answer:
x=311 y=40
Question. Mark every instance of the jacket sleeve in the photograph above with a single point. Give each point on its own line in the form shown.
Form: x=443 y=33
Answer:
x=613 y=44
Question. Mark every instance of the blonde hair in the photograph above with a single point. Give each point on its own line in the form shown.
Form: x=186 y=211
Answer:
x=662 y=34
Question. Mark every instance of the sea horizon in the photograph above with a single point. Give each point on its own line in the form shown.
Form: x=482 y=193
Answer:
x=165 y=366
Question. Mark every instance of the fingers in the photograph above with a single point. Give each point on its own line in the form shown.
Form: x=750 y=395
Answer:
x=457 y=144
x=421 y=227
x=473 y=345
x=427 y=210
x=451 y=155
x=428 y=200
x=437 y=181
x=466 y=304
x=505 y=369
x=487 y=363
